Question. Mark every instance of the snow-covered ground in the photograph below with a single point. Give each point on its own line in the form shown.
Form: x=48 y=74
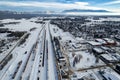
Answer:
x=19 y=52
x=21 y=56
x=84 y=58
x=24 y=25
x=51 y=57
x=87 y=60
x=31 y=53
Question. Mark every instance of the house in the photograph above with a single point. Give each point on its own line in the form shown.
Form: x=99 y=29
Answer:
x=103 y=42
x=98 y=50
x=92 y=44
x=110 y=41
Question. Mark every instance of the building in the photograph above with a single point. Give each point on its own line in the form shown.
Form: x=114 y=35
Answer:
x=103 y=42
x=110 y=42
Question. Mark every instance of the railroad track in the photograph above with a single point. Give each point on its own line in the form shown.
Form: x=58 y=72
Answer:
x=39 y=57
x=23 y=65
x=33 y=49
x=18 y=42
x=9 y=54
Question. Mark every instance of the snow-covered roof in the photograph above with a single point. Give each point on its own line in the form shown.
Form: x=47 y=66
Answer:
x=76 y=45
x=109 y=40
x=81 y=40
x=108 y=57
x=111 y=75
x=101 y=41
x=99 y=50
x=105 y=48
x=94 y=43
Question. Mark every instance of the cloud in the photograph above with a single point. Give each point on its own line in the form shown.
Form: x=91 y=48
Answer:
x=112 y=2
x=55 y=5
x=91 y=13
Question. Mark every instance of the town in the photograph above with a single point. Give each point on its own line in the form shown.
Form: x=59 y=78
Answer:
x=60 y=48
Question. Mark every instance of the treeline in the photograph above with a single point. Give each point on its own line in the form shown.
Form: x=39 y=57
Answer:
x=12 y=33
x=83 y=25
x=2 y=24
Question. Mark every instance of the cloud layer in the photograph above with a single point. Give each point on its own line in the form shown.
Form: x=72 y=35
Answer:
x=112 y=2
x=56 y=5
x=75 y=5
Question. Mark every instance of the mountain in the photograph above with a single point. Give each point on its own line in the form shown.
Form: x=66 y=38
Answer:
x=80 y=10
x=19 y=15
x=16 y=15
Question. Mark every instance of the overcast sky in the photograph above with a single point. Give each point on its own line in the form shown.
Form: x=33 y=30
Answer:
x=59 y=5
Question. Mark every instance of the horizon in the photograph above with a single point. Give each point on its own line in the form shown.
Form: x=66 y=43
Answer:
x=57 y=6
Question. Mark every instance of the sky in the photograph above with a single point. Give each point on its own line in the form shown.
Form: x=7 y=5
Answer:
x=59 y=5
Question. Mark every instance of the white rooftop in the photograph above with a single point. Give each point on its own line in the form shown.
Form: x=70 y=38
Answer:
x=98 y=50
x=94 y=43
x=109 y=40
x=101 y=41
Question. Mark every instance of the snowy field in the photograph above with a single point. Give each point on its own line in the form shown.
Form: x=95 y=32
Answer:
x=86 y=60
x=24 y=25
x=19 y=52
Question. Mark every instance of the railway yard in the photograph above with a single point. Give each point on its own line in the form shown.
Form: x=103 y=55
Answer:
x=52 y=49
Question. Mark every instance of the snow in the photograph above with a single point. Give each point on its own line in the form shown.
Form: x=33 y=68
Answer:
x=33 y=75
x=18 y=52
x=101 y=41
x=49 y=71
x=3 y=35
x=105 y=48
x=109 y=40
x=4 y=49
x=109 y=57
x=52 y=71
x=98 y=50
x=109 y=73
x=91 y=13
x=81 y=40
x=65 y=36
x=9 y=20
x=28 y=48
x=88 y=74
x=112 y=19
x=94 y=43
x=86 y=61
x=24 y=25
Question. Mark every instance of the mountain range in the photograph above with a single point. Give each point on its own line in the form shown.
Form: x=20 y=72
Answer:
x=80 y=10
